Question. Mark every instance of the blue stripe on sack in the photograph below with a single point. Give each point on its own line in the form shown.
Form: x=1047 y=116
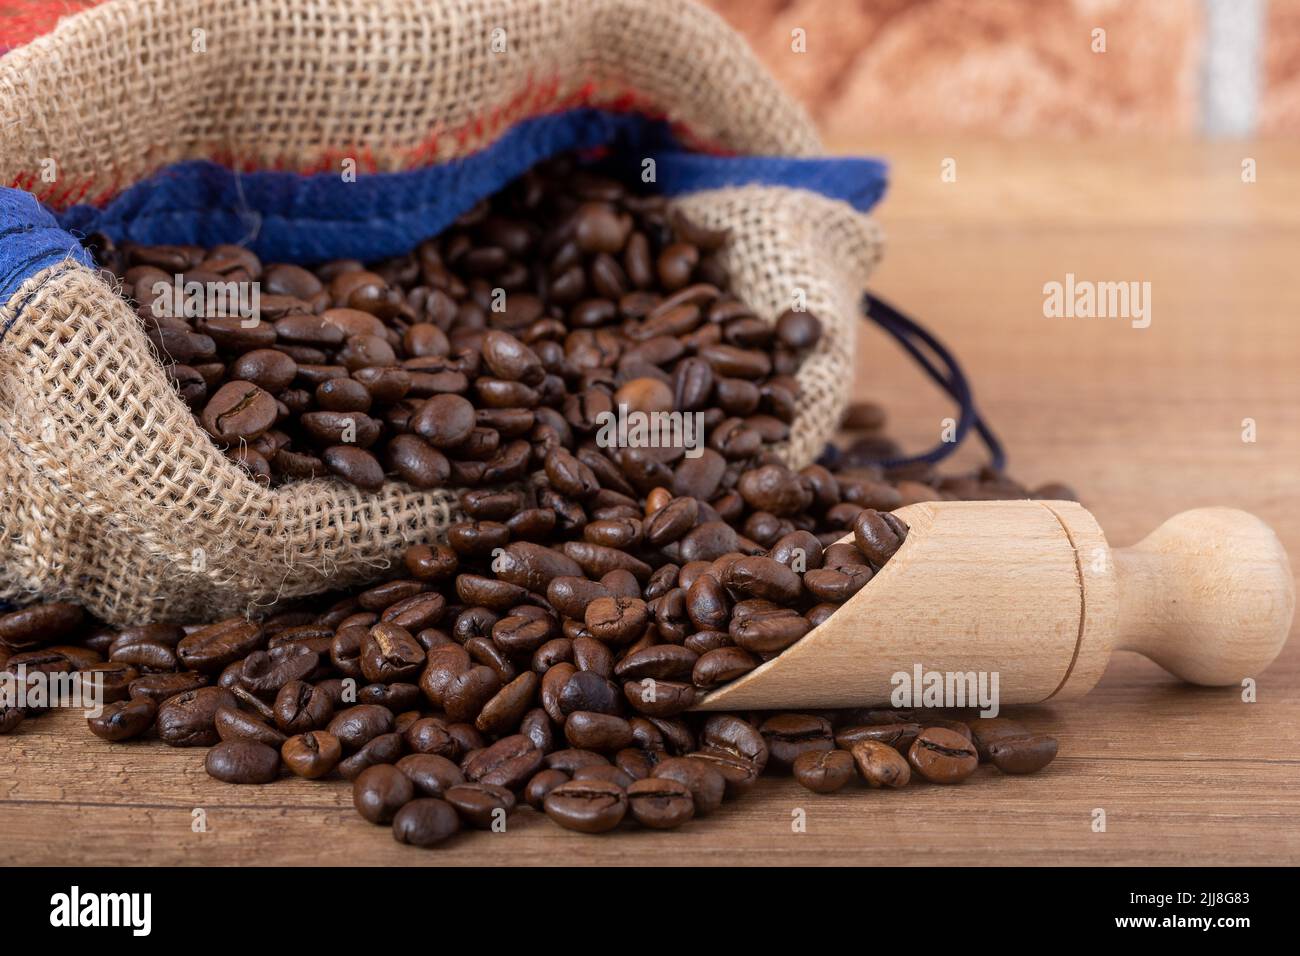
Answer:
x=291 y=217
x=30 y=240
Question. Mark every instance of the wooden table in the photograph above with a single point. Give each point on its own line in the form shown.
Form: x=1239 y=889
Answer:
x=1143 y=422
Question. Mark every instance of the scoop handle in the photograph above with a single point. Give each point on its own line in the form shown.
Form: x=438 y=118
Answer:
x=1208 y=595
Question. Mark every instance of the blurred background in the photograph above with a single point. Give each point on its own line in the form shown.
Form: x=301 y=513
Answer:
x=1029 y=67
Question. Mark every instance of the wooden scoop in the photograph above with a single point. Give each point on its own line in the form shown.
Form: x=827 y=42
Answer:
x=1032 y=591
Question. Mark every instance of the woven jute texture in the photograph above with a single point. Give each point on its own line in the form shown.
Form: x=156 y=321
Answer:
x=117 y=91
x=114 y=496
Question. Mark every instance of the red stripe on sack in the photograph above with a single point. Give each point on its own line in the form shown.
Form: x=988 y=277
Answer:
x=536 y=99
x=25 y=20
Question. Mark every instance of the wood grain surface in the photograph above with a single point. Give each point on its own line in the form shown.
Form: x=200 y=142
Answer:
x=1143 y=422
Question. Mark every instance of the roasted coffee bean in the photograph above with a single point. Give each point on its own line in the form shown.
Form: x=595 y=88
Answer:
x=432 y=774
x=239 y=411
x=159 y=687
x=357 y=725
x=241 y=760
x=300 y=707
x=264 y=672
x=659 y=698
x=823 y=771
x=507 y=707
x=616 y=620
x=380 y=791
x=878 y=534
x=384 y=749
x=986 y=730
x=147 y=655
x=481 y=805
x=1026 y=754
x=237 y=725
x=541 y=784
x=880 y=765
x=722 y=664
x=39 y=625
x=120 y=720
x=588 y=806
x=468 y=692
x=429 y=735
x=604 y=733
x=312 y=755
x=789 y=735
x=660 y=803
x=943 y=756
x=729 y=734
x=585 y=690
x=389 y=653
x=899 y=736
x=425 y=822
x=189 y=719
x=507 y=763
x=213 y=647
x=705 y=783
x=108 y=681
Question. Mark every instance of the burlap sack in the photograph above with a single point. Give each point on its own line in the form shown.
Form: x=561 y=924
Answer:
x=113 y=495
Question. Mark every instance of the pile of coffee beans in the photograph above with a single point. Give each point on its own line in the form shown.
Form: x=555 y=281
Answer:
x=449 y=695
x=467 y=361
x=550 y=650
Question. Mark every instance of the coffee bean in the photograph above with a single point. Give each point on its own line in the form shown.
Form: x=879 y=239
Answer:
x=706 y=784
x=300 y=707
x=380 y=791
x=987 y=730
x=616 y=620
x=237 y=725
x=588 y=806
x=880 y=764
x=433 y=775
x=899 y=736
x=721 y=665
x=425 y=822
x=823 y=771
x=943 y=756
x=189 y=719
x=160 y=687
x=481 y=805
x=357 y=725
x=38 y=625
x=239 y=411
x=121 y=720
x=789 y=735
x=878 y=535
x=605 y=733
x=241 y=760
x=384 y=749
x=541 y=784
x=213 y=647
x=312 y=755
x=389 y=653
x=660 y=803
x=1025 y=754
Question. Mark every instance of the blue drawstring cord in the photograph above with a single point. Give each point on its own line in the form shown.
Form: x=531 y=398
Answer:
x=907 y=332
